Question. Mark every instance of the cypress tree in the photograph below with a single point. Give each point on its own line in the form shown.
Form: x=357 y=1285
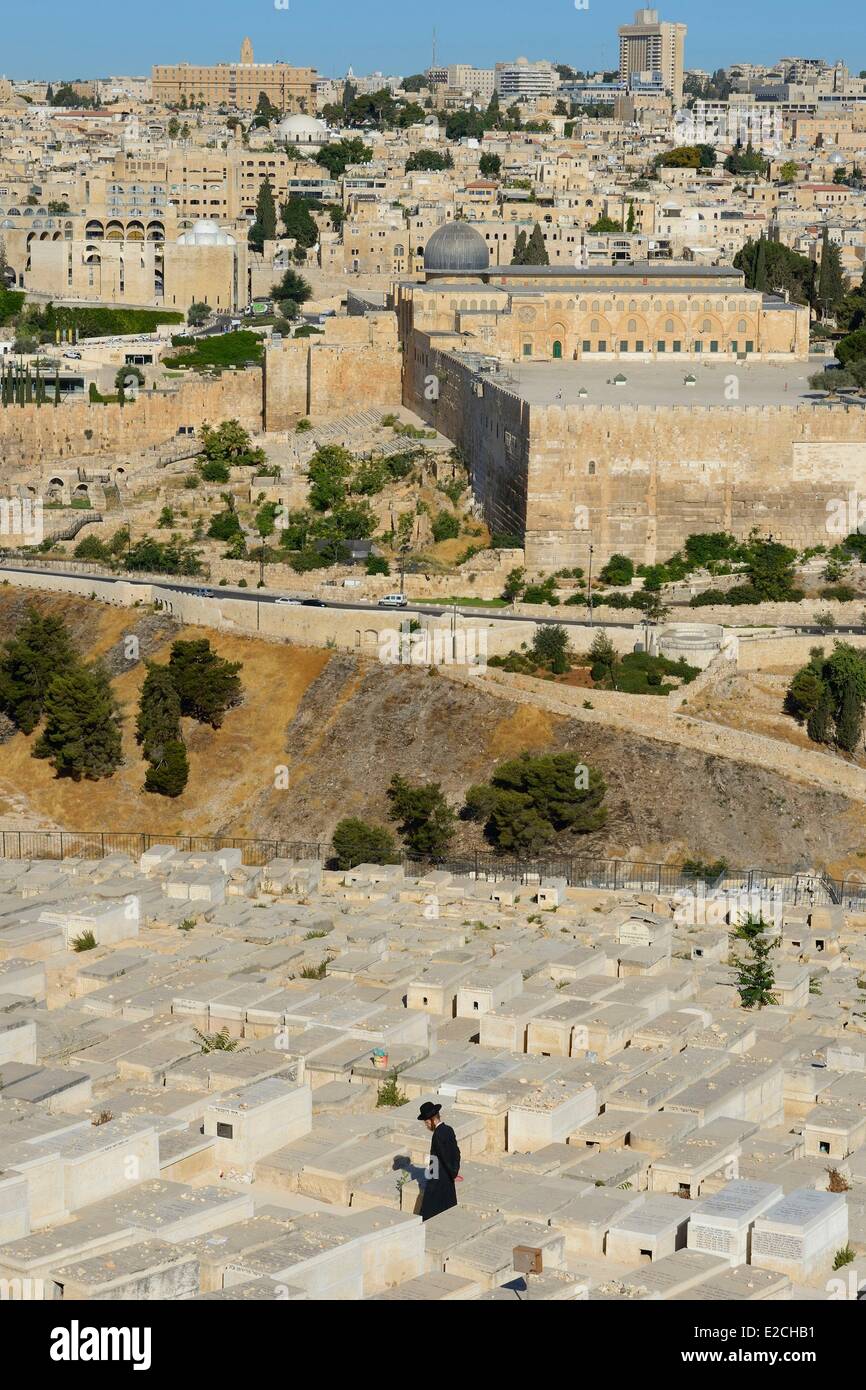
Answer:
x=158 y=722
x=265 y=226
x=831 y=285
x=519 y=256
x=849 y=722
x=536 y=251
x=761 y=280
x=170 y=774
x=820 y=723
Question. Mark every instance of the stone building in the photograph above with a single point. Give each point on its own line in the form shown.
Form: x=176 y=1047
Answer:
x=236 y=85
x=623 y=408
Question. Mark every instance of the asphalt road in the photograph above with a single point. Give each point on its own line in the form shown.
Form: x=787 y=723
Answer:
x=430 y=610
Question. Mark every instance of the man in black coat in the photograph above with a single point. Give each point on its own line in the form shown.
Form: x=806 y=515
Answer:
x=439 y=1190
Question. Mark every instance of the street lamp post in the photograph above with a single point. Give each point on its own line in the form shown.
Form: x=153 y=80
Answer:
x=589 y=586
x=404 y=548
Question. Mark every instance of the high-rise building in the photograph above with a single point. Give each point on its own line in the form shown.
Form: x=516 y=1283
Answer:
x=652 y=51
x=522 y=80
x=237 y=85
x=481 y=82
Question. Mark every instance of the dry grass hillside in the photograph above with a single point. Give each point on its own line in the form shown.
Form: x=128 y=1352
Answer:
x=342 y=727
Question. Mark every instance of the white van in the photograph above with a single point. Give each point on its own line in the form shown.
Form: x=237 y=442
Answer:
x=393 y=601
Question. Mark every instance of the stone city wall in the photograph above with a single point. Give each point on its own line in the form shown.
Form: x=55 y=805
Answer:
x=36 y=435
x=356 y=364
x=639 y=481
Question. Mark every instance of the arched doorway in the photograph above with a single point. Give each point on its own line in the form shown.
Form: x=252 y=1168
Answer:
x=557 y=351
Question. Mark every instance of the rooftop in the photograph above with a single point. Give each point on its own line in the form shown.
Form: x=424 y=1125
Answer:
x=661 y=383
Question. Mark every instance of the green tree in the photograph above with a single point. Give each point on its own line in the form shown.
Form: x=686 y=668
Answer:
x=490 y=166
x=207 y=685
x=168 y=773
x=618 y=572
x=520 y=244
x=81 y=737
x=530 y=800
x=429 y=161
x=514 y=585
x=603 y=656
x=198 y=314
x=536 y=251
x=426 y=821
x=551 y=649
x=755 y=977
x=40 y=650
x=849 y=725
x=831 y=280
x=355 y=842
x=299 y=224
x=445 y=527
x=328 y=472
x=265 y=226
x=230 y=445
x=291 y=293
x=158 y=722
x=337 y=157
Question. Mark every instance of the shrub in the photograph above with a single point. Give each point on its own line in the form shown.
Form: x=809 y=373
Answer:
x=355 y=842
x=169 y=776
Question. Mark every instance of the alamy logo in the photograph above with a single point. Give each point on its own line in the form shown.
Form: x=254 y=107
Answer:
x=77 y=1343
x=21 y=520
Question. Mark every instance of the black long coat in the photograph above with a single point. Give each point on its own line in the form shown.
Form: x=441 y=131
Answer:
x=439 y=1191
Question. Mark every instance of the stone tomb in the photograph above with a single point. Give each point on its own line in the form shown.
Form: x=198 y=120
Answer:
x=799 y=1235
x=722 y=1224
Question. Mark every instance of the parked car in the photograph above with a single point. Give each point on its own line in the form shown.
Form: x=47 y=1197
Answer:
x=292 y=602
x=75 y=356
x=393 y=601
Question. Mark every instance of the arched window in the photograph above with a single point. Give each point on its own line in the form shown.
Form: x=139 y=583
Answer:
x=706 y=326
x=594 y=326
x=669 y=326
x=742 y=326
x=632 y=325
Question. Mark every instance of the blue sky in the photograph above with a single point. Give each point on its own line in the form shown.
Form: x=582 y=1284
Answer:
x=53 y=38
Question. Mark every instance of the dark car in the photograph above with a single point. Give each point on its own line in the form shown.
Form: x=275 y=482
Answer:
x=314 y=603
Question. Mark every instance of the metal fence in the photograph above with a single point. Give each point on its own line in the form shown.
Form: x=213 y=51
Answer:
x=804 y=889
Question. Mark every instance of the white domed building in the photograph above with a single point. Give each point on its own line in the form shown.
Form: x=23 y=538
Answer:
x=206 y=232
x=303 y=131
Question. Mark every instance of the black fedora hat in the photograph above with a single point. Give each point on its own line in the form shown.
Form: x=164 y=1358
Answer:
x=428 y=1110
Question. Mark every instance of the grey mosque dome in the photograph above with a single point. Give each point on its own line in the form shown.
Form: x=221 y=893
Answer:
x=456 y=246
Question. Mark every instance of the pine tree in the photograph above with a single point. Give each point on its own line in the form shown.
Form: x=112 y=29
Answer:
x=158 y=722
x=81 y=737
x=206 y=683
x=630 y=224
x=39 y=651
x=169 y=775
